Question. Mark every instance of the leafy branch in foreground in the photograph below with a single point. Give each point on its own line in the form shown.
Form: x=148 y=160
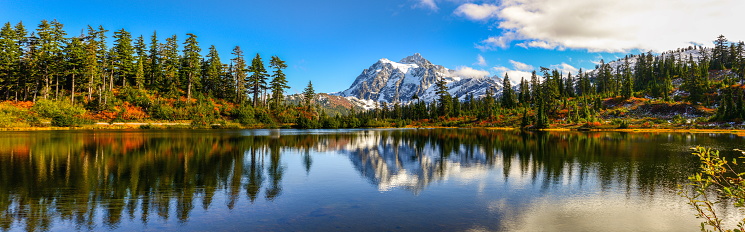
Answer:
x=716 y=174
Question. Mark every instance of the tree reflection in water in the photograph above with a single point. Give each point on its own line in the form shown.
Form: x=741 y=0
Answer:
x=142 y=175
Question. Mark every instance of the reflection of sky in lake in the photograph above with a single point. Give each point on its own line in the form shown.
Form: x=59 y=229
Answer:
x=349 y=180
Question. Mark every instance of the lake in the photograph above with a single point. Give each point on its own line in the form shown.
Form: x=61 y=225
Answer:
x=349 y=180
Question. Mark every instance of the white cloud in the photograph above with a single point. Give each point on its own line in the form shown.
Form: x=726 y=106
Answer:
x=518 y=71
x=477 y=12
x=494 y=42
x=609 y=25
x=480 y=61
x=515 y=75
x=465 y=71
x=565 y=68
x=429 y=4
x=521 y=66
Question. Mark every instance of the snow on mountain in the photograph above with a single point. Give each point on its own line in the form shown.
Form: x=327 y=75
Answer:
x=389 y=81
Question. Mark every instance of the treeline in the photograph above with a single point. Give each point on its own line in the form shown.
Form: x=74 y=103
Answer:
x=46 y=63
x=166 y=79
x=713 y=78
x=134 y=78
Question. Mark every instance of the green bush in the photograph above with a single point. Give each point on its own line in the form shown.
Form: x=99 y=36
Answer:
x=163 y=112
x=6 y=120
x=49 y=108
x=62 y=113
x=263 y=117
x=244 y=114
x=202 y=114
x=68 y=120
x=137 y=97
x=33 y=120
x=307 y=123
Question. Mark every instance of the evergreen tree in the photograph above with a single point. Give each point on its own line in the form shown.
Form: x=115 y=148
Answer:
x=256 y=83
x=91 y=68
x=74 y=63
x=17 y=69
x=239 y=73
x=508 y=97
x=628 y=84
x=10 y=60
x=153 y=70
x=123 y=57
x=191 y=64
x=720 y=53
x=524 y=91
x=170 y=63
x=309 y=94
x=212 y=74
x=490 y=103
x=534 y=87
x=569 y=86
x=444 y=98
x=140 y=62
x=49 y=42
x=279 y=81
x=525 y=121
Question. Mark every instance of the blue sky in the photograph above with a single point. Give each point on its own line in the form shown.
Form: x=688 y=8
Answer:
x=330 y=42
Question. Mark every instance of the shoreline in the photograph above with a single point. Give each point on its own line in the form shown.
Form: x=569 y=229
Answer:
x=187 y=126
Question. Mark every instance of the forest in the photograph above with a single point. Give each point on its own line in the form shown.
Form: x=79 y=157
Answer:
x=51 y=78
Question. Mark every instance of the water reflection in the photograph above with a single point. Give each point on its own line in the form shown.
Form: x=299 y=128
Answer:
x=104 y=179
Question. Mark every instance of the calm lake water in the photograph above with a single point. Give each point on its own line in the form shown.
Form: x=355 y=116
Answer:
x=348 y=180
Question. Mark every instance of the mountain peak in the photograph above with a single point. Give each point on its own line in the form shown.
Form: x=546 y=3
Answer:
x=388 y=81
x=415 y=59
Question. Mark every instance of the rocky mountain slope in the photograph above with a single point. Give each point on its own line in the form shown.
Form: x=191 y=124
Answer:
x=389 y=81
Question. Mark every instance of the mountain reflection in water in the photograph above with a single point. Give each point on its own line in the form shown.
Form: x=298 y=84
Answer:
x=112 y=179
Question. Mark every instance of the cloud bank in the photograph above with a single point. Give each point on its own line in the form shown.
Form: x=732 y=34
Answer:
x=607 y=25
x=465 y=71
x=518 y=71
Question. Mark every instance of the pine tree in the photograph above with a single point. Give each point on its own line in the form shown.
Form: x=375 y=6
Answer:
x=569 y=86
x=524 y=91
x=444 y=98
x=239 y=73
x=10 y=57
x=140 y=62
x=154 y=70
x=534 y=87
x=256 y=83
x=192 y=61
x=508 y=98
x=102 y=64
x=488 y=104
x=628 y=84
x=309 y=94
x=123 y=57
x=91 y=68
x=50 y=40
x=17 y=70
x=525 y=121
x=720 y=53
x=170 y=63
x=74 y=63
x=212 y=71
x=279 y=81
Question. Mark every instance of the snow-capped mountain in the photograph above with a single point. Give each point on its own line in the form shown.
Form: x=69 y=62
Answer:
x=389 y=81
